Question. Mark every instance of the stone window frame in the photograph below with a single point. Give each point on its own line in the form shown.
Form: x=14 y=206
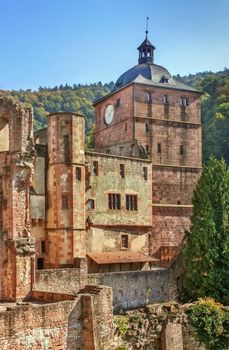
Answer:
x=114 y=201
x=122 y=170
x=95 y=167
x=92 y=203
x=124 y=241
x=131 y=202
x=145 y=173
x=78 y=171
x=65 y=201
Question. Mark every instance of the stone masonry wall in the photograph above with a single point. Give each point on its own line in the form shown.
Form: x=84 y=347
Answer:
x=156 y=327
x=59 y=321
x=58 y=280
x=135 y=289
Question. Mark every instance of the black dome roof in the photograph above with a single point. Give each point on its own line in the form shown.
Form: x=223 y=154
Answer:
x=150 y=71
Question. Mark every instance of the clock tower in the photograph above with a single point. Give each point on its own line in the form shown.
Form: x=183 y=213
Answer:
x=151 y=115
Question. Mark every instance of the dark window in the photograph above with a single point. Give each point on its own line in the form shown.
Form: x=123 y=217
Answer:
x=158 y=148
x=108 y=151
x=121 y=151
x=95 y=168
x=122 y=170
x=166 y=99
x=124 y=241
x=149 y=98
x=147 y=127
x=78 y=173
x=125 y=126
x=179 y=202
x=183 y=102
x=65 y=202
x=147 y=148
x=67 y=157
x=131 y=202
x=40 y=263
x=145 y=173
x=114 y=201
x=92 y=204
x=43 y=247
x=118 y=103
x=181 y=149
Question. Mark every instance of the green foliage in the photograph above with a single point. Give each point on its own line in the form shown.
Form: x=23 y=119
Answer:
x=211 y=322
x=122 y=324
x=90 y=138
x=78 y=98
x=215 y=111
x=206 y=250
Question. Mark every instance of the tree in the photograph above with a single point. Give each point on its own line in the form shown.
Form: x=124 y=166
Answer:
x=206 y=250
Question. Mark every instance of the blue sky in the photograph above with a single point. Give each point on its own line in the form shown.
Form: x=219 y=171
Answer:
x=53 y=42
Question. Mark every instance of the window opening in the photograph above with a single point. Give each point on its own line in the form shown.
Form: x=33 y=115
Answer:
x=114 y=201
x=131 y=202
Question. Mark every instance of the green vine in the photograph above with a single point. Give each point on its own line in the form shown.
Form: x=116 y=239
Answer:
x=211 y=322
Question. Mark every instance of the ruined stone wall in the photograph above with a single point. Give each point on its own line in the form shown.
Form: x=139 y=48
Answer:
x=59 y=321
x=38 y=327
x=121 y=127
x=16 y=246
x=58 y=280
x=136 y=289
x=156 y=327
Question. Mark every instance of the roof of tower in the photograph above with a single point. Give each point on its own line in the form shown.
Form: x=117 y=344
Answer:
x=146 y=42
x=151 y=74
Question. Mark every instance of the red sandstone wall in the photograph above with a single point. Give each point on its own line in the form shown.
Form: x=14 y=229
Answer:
x=121 y=128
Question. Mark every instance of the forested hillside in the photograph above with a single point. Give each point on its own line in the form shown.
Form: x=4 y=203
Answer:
x=215 y=106
x=215 y=111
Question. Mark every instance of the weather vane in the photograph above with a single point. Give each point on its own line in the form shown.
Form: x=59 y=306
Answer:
x=147 y=23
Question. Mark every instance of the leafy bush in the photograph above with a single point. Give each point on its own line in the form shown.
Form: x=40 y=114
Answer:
x=122 y=323
x=211 y=322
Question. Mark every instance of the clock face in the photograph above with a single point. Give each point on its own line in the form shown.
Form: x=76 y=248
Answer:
x=109 y=112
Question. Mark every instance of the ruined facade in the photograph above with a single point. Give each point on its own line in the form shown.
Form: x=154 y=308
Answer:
x=73 y=221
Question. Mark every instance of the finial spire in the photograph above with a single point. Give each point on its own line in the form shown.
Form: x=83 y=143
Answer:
x=147 y=23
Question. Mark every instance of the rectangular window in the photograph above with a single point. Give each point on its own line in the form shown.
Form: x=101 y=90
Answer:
x=145 y=173
x=158 y=148
x=181 y=149
x=121 y=151
x=124 y=241
x=122 y=171
x=78 y=173
x=40 y=263
x=65 y=204
x=117 y=103
x=66 y=141
x=147 y=127
x=165 y=99
x=147 y=148
x=133 y=150
x=43 y=247
x=131 y=202
x=183 y=102
x=114 y=201
x=92 y=204
x=95 y=168
x=149 y=98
